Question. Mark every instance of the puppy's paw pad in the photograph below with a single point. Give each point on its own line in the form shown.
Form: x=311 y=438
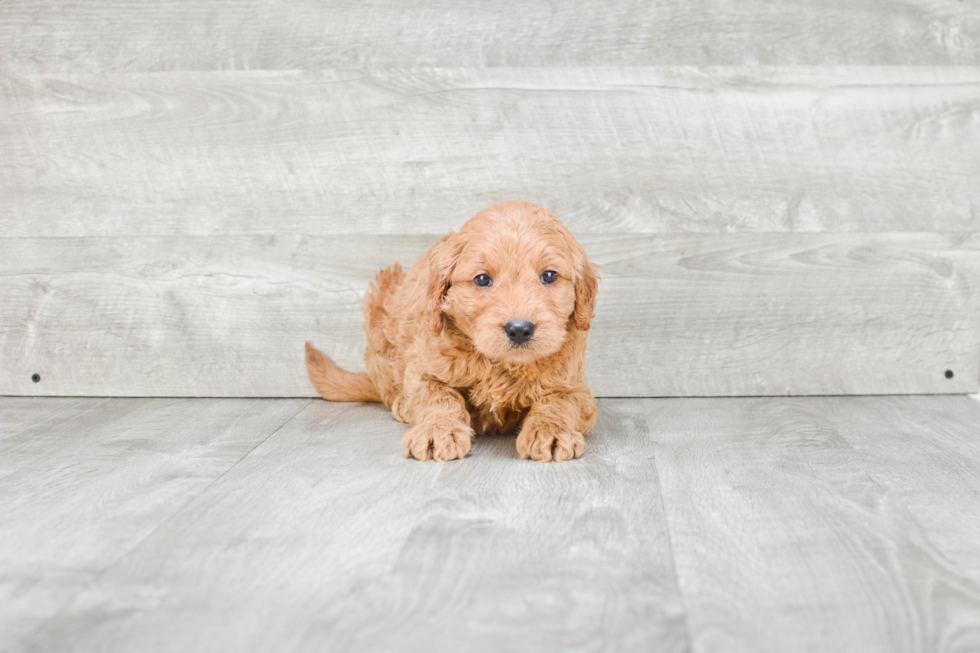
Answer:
x=545 y=442
x=437 y=442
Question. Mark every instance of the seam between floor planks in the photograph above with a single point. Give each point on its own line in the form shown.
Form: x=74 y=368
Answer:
x=175 y=514
x=137 y=406
x=670 y=539
x=149 y=535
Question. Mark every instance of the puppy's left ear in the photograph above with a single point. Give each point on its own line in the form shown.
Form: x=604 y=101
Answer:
x=586 y=287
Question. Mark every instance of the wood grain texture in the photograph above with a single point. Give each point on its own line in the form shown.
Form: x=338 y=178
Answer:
x=83 y=482
x=754 y=524
x=797 y=524
x=652 y=150
x=678 y=315
x=99 y=36
x=325 y=539
x=930 y=463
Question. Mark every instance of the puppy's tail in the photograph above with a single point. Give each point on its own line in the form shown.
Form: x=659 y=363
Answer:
x=336 y=384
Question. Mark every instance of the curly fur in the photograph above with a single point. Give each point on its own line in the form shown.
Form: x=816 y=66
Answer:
x=437 y=353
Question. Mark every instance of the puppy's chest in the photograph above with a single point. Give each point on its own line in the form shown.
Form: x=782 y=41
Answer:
x=499 y=403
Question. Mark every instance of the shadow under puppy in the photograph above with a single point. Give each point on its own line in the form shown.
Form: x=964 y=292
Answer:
x=485 y=332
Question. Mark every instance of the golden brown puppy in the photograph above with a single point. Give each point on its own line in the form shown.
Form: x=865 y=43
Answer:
x=485 y=332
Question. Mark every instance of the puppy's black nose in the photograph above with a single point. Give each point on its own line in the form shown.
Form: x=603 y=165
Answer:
x=519 y=331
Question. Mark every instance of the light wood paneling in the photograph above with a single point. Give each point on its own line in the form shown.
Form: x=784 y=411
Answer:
x=326 y=539
x=98 y=36
x=710 y=150
x=803 y=524
x=83 y=482
x=678 y=315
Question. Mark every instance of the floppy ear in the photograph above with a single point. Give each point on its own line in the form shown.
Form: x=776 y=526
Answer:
x=443 y=257
x=586 y=286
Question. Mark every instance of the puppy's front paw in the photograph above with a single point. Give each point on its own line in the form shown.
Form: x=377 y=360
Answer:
x=544 y=442
x=440 y=442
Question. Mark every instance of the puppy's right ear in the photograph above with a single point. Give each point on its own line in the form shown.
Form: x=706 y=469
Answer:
x=443 y=257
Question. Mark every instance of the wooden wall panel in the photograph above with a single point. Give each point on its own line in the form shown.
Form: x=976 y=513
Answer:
x=45 y=36
x=609 y=150
x=678 y=315
x=188 y=189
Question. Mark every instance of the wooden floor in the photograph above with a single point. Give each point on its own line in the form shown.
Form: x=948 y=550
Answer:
x=754 y=524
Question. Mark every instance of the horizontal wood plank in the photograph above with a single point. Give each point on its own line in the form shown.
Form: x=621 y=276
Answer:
x=678 y=315
x=609 y=150
x=100 y=36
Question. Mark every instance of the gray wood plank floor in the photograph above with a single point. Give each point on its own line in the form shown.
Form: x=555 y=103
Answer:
x=84 y=481
x=752 y=524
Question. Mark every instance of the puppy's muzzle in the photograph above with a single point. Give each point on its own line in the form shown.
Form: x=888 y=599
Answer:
x=519 y=331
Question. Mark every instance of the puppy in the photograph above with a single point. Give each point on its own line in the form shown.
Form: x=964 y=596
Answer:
x=486 y=332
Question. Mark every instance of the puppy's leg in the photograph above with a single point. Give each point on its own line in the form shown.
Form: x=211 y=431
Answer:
x=554 y=426
x=441 y=424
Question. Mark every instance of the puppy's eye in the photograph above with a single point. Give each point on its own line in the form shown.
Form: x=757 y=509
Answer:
x=549 y=276
x=482 y=280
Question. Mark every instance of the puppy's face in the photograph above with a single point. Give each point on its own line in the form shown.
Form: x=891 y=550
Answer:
x=517 y=283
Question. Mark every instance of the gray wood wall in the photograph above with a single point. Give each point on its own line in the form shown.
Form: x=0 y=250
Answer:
x=784 y=197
